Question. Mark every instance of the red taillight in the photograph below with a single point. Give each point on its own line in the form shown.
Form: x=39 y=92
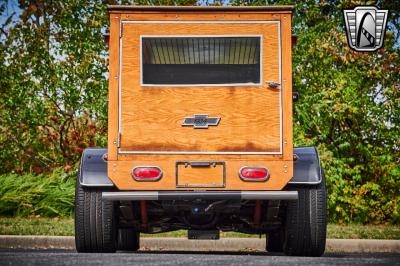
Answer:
x=146 y=173
x=250 y=173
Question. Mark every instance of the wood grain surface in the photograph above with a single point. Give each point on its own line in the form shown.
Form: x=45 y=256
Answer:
x=152 y=116
x=113 y=81
x=120 y=173
x=250 y=120
x=202 y=16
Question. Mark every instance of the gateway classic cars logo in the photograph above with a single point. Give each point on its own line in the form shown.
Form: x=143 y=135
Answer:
x=365 y=26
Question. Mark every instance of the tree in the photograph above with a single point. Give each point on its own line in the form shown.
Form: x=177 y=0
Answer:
x=53 y=96
x=349 y=108
x=54 y=82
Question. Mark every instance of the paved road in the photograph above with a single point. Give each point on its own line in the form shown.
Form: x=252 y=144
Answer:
x=63 y=257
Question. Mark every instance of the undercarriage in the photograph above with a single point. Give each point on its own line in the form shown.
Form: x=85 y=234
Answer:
x=246 y=216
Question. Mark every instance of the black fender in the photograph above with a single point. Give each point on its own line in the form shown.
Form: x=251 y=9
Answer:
x=93 y=169
x=307 y=167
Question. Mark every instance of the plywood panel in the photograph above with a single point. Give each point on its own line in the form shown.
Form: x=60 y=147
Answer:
x=113 y=86
x=152 y=116
x=120 y=167
x=120 y=173
x=287 y=86
x=204 y=16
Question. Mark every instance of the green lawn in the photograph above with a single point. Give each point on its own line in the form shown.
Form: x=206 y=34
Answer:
x=65 y=227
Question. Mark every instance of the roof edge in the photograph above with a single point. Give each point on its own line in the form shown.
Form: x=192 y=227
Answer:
x=199 y=8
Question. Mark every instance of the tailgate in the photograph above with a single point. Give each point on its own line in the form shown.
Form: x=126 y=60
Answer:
x=200 y=88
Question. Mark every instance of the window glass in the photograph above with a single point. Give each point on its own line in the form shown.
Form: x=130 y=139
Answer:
x=200 y=60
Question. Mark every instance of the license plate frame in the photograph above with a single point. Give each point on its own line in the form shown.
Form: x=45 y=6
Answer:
x=215 y=181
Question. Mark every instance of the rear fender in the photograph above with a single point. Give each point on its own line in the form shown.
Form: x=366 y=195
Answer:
x=307 y=167
x=93 y=169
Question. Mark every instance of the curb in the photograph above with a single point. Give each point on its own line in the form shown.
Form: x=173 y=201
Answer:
x=183 y=244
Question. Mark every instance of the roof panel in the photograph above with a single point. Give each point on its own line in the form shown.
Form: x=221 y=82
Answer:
x=199 y=8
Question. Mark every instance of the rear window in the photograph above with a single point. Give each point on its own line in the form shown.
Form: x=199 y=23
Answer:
x=198 y=60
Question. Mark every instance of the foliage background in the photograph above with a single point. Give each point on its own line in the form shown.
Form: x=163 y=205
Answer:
x=53 y=95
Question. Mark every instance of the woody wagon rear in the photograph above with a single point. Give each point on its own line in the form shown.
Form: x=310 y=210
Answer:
x=200 y=133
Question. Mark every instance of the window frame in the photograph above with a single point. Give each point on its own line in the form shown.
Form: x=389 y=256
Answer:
x=260 y=36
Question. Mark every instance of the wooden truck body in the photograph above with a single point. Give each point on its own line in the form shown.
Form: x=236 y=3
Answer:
x=200 y=126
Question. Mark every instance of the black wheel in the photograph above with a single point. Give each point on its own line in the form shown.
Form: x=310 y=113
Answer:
x=275 y=241
x=128 y=239
x=305 y=228
x=95 y=226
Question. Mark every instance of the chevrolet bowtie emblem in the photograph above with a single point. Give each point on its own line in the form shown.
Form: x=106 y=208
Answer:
x=201 y=121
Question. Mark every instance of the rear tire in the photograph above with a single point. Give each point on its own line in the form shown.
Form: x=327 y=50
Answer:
x=305 y=228
x=275 y=241
x=95 y=225
x=128 y=239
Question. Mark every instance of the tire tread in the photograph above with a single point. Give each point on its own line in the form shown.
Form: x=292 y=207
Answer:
x=95 y=226
x=305 y=233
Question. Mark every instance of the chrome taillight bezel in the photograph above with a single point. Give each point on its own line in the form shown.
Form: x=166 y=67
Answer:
x=141 y=179
x=254 y=179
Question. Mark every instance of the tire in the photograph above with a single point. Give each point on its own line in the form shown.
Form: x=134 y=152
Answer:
x=95 y=224
x=305 y=227
x=275 y=241
x=128 y=239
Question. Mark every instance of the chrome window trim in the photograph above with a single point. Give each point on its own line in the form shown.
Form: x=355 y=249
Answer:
x=278 y=22
x=260 y=36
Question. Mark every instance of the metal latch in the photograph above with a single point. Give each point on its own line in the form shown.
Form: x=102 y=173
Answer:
x=119 y=140
x=200 y=164
x=273 y=84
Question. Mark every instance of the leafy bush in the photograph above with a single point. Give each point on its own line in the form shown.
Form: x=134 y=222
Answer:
x=29 y=194
x=53 y=90
x=53 y=86
x=349 y=108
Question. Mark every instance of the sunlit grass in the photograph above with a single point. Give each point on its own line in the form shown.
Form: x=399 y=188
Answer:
x=65 y=227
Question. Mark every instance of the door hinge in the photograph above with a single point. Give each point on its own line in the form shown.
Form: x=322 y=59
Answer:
x=121 y=32
x=119 y=140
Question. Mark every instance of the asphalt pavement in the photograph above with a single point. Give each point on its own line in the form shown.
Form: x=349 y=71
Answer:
x=68 y=257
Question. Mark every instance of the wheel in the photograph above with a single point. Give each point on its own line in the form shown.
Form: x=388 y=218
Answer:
x=305 y=227
x=275 y=241
x=128 y=239
x=95 y=225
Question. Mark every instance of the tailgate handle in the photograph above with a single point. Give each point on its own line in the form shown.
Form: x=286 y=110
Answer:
x=200 y=164
x=273 y=84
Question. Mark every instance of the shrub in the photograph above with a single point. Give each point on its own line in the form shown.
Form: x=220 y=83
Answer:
x=43 y=195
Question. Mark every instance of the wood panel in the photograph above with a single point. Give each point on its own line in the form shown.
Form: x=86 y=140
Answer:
x=152 y=116
x=281 y=166
x=113 y=86
x=195 y=9
x=287 y=99
x=205 y=16
x=280 y=173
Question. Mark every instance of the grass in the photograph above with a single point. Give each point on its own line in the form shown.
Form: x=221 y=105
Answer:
x=37 y=226
x=65 y=227
x=364 y=231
